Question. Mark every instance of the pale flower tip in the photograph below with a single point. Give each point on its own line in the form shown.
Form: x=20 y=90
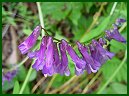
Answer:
x=45 y=75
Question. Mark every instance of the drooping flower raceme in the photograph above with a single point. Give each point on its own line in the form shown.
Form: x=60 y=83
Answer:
x=52 y=58
x=30 y=41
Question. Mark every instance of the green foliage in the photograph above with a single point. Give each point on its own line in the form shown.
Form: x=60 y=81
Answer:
x=116 y=88
x=21 y=75
x=27 y=89
x=16 y=88
x=33 y=75
x=110 y=66
x=76 y=12
x=119 y=88
x=8 y=85
x=97 y=31
x=117 y=46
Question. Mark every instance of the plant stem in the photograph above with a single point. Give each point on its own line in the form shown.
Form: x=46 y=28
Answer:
x=123 y=27
x=113 y=8
x=26 y=80
x=114 y=74
x=40 y=17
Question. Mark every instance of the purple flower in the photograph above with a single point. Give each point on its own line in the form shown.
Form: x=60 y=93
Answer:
x=115 y=35
x=44 y=56
x=48 y=68
x=91 y=64
x=99 y=53
x=30 y=41
x=79 y=63
x=39 y=55
x=119 y=21
x=57 y=60
x=64 y=60
x=102 y=41
x=8 y=76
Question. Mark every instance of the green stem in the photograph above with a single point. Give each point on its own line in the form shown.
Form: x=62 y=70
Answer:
x=123 y=27
x=113 y=75
x=40 y=17
x=26 y=80
x=113 y=8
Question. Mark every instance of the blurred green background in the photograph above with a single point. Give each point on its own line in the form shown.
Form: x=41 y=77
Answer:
x=72 y=21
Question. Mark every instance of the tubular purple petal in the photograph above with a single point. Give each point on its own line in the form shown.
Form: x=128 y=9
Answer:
x=92 y=64
x=49 y=52
x=30 y=41
x=102 y=41
x=117 y=36
x=57 y=60
x=99 y=53
x=119 y=21
x=39 y=55
x=79 y=63
x=64 y=60
x=48 y=68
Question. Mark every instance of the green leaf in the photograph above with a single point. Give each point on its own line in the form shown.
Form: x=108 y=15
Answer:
x=27 y=89
x=97 y=31
x=76 y=12
x=110 y=66
x=27 y=31
x=117 y=46
x=119 y=88
x=8 y=85
x=83 y=24
x=21 y=73
x=88 y=6
x=61 y=9
x=16 y=88
x=33 y=75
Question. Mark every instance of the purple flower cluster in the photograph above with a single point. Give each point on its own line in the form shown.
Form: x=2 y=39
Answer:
x=8 y=76
x=114 y=33
x=52 y=58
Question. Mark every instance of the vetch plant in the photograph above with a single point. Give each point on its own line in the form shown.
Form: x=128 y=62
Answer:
x=52 y=61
